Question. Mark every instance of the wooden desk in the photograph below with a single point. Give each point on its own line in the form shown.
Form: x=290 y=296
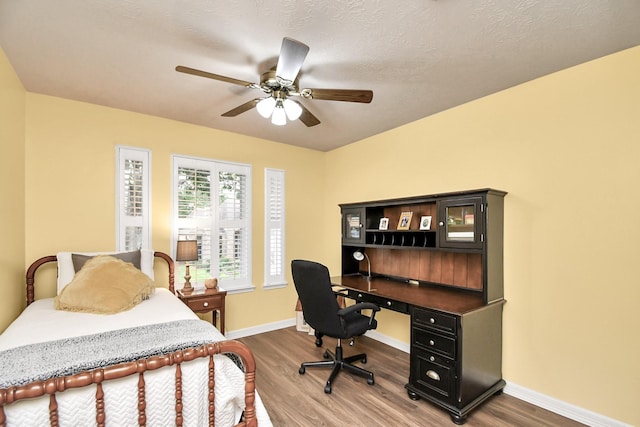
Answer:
x=398 y=296
x=204 y=301
x=456 y=340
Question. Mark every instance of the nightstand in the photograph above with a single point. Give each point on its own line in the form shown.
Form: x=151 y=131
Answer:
x=204 y=301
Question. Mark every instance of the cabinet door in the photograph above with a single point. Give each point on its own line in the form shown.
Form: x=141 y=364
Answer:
x=461 y=222
x=352 y=229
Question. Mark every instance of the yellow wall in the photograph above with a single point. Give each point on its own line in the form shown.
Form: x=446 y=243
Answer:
x=567 y=149
x=70 y=179
x=12 y=129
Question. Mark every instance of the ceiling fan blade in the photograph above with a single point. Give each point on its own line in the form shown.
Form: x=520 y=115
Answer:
x=292 y=55
x=242 y=108
x=307 y=117
x=350 y=95
x=208 y=75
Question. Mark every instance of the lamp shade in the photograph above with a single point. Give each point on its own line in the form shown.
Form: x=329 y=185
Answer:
x=187 y=250
x=360 y=256
x=292 y=109
x=265 y=107
x=279 y=116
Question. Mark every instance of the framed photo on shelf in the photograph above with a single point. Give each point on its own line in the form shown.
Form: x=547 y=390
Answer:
x=425 y=223
x=384 y=224
x=405 y=220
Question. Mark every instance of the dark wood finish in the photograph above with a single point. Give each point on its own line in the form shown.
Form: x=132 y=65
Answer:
x=443 y=299
x=98 y=376
x=205 y=301
x=31 y=272
x=426 y=255
x=451 y=275
x=294 y=401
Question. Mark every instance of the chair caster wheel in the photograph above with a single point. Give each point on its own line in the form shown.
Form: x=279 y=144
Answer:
x=326 y=355
x=364 y=359
x=301 y=371
x=370 y=381
x=327 y=389
x=318 y=342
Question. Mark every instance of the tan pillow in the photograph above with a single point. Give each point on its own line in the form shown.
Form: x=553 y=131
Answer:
x=105 y=285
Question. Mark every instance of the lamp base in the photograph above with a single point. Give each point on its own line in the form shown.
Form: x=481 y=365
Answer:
x=187 y=288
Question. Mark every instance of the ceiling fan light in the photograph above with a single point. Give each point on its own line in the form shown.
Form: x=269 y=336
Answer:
x=279 y=116
x=292 y=108
x=265 y=107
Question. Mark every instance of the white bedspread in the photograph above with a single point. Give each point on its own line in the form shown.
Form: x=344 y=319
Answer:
x=40 y=322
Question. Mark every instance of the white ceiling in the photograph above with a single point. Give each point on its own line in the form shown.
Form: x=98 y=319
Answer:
x=419 y=57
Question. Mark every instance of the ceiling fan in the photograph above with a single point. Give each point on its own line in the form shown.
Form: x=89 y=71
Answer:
x=280 y=84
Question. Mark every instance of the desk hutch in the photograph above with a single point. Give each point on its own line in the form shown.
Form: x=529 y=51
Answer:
x=446 y=272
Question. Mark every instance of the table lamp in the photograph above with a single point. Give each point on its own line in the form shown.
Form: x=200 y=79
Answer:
x=187 y=250
x=359 y=256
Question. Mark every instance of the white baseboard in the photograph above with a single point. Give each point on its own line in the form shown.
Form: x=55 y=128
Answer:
x=260 y=329
x=565 y=409
x=535 y=398
x=385 y=339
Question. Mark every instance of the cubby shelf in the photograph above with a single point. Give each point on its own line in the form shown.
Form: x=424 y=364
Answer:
x=401 y=238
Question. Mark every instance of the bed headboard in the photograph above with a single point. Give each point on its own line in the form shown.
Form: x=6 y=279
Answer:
x=31 y=272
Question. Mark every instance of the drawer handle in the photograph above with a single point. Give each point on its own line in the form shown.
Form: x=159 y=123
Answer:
x=389 y=303
x=432 y=342
x=206 y=304
x=432 y=320
x=433 y=375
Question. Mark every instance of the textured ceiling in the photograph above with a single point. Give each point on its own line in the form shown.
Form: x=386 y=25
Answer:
x=419 y=57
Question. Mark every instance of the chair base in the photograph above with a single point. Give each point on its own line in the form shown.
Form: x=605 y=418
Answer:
x=337 y=364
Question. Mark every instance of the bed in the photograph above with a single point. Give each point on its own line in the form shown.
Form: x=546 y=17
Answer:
x=153 y=364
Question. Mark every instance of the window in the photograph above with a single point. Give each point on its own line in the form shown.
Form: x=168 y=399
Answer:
x=212 y=204
x=133 y=194
x=274 y=267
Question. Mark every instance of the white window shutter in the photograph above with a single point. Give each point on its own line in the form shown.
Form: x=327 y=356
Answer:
x=274 y=260
x=212 y=203
x=133 y=198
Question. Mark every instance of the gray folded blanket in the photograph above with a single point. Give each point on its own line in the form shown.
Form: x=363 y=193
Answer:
x=69 y=356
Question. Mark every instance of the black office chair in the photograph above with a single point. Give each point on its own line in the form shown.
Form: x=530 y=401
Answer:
x=322 y=312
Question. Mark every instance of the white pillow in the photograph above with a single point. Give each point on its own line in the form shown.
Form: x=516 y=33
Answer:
x=66 y=270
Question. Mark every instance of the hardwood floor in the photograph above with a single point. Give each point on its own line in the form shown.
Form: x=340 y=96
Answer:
x=299 y=400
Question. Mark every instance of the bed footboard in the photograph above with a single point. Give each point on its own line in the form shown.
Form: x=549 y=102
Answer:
x=98 y=376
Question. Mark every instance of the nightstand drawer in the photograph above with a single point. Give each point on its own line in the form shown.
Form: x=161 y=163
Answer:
x=205 y=303
x=431 y=341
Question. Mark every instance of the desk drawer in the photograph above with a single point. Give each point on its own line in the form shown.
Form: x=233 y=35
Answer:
x=379 y=301
x=431 y=341
x=435 y=320
x=432 y=374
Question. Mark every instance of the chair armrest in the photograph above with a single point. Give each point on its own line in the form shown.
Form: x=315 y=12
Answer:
x=360 y=306
x=340 y=292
